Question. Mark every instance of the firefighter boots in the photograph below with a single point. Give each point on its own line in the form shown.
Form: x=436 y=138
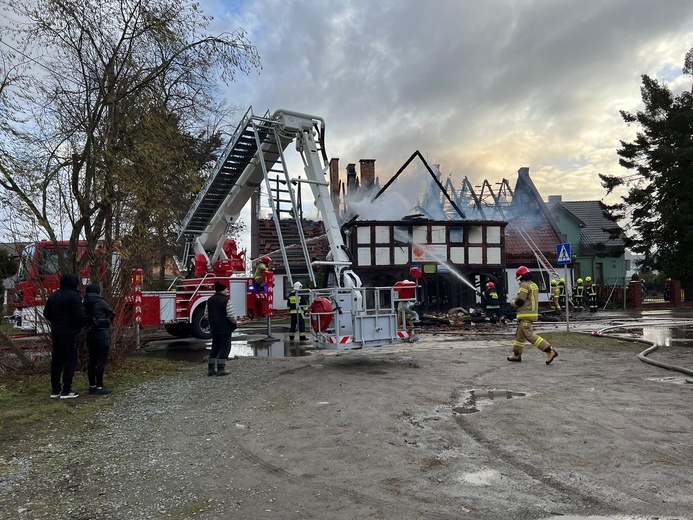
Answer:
x=517 y=356
x=210 y=369
x=221 y=370
x=551 y=354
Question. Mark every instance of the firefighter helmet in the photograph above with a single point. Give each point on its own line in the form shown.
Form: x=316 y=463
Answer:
x=521 y=271
x=298 y=286
x=579 y=281
x=490 y=285
x=554 y=282
x=588 y=278
x=265 y=259
x=562 y=280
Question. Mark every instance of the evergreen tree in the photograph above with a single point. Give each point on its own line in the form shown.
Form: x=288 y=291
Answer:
x=659 y=200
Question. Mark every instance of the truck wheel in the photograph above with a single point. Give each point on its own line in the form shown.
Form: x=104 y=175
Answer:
x=200 y=324
x=180 y=330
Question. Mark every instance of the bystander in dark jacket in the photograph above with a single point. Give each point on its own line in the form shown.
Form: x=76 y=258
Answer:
x=222 y=323
x=65 y=313
x=98 y=317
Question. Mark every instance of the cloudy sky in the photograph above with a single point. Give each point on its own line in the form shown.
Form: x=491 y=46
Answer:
x=480 y=87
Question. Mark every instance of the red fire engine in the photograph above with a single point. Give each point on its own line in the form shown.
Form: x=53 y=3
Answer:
x=349 y=315
x=38 y=275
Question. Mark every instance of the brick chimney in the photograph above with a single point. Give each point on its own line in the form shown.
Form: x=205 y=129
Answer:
x=367 y=168
x=352 y=183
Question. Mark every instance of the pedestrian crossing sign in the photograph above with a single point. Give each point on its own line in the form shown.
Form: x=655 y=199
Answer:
x=563 y=254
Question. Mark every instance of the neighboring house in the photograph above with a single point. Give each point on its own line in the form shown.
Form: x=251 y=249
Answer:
x=633 y=264
x=586 y=229
x=531 y=236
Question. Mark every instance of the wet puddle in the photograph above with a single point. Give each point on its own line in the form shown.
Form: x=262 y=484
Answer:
x=197 y=350
x=484 y=477
x=666 y=336
x=619 y=517
x=672 y=380
x=475 y=400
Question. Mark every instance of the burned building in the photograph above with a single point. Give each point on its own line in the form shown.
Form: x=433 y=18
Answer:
x=460 y=237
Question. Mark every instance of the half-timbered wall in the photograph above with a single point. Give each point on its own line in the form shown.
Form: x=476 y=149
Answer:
x=479 y=244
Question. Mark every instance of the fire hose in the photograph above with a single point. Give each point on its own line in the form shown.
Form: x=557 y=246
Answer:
x=653 y=345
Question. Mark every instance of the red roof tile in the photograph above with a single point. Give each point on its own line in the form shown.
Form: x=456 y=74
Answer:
x=540 y=233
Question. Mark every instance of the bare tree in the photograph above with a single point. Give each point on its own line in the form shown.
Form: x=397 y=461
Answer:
x=91 y=90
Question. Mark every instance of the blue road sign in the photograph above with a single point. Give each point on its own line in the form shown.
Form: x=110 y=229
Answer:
x=563 y=254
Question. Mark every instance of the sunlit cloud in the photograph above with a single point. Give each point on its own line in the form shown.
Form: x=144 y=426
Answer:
x=481 y=88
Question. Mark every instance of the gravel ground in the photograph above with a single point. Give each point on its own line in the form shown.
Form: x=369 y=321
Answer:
x=442 y=428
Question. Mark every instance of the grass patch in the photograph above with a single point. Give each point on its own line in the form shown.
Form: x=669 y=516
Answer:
x=26 y=408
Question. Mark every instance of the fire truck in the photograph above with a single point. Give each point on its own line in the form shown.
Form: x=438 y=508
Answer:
x=344 y=315
x=38 y=275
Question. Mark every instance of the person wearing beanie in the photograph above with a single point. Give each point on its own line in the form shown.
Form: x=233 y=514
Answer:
x=98 y=317
x=65 y=313
x=222 y=322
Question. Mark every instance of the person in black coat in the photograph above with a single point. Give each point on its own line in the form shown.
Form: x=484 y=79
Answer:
x=65 y=313
x=222 y=322
x=98 y=317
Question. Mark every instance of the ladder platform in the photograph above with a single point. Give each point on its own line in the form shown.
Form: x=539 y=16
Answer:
x=234 y=159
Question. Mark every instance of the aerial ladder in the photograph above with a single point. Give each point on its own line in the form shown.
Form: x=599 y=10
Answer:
x=345 y=316
x=546 y=265
x=538 y=255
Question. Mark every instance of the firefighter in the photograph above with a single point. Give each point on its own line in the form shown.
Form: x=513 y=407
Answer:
x=591 y=290
x=561 y=294
x=667 y=290
x=297 y=305
x=579 y=295
x=555 y=295
x=492 y=304
x=259 y=275
x=527 y=304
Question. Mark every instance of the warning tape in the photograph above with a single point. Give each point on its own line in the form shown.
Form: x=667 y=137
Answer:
x=342 y=340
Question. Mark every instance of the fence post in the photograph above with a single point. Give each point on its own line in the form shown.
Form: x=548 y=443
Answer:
x=636 y=289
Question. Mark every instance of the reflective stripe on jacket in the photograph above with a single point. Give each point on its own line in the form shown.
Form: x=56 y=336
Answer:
x=528 y=292
x=296 y=303
x=491 y=297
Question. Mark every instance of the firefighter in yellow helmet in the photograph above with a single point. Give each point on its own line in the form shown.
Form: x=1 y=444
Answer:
x=579 y=295
x=591 y=293
x=555 y=294
x=527 y=304
x=561 y=293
